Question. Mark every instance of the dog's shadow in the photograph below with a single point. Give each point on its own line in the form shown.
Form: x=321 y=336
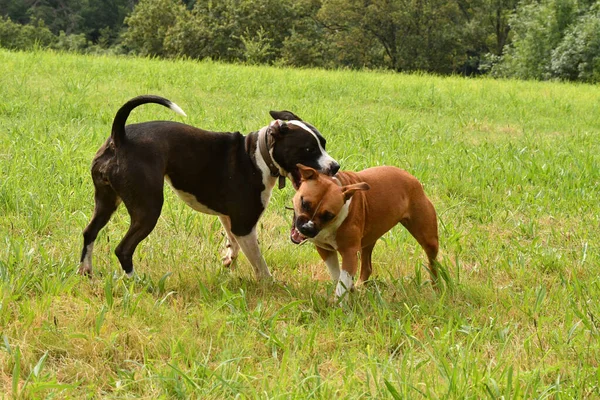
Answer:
x=305 y=300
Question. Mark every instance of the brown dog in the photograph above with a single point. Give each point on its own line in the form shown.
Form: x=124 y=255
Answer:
x=349 y=212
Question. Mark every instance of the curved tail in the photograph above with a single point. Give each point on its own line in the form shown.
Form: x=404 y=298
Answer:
x=118 y=128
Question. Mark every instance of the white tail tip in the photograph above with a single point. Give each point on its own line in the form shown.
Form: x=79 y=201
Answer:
x=177 y=109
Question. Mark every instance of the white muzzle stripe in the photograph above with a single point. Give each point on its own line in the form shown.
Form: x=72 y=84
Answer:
x=325 y=160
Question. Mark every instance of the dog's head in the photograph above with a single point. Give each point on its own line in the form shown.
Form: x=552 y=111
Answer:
x=319 y=203
x=297 y=142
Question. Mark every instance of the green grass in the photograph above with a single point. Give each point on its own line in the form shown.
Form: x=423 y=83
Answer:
x=513 y=169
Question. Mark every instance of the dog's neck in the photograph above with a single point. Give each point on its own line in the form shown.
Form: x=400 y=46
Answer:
x=261 y=148
x=253 y=151
x=265 y=153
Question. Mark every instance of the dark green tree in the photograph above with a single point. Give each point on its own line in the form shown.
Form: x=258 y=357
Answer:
x=24 y=37
x=577 y=56
x=97 y=19
x=240 y=26
x=537 y=30
x=104 y=18
x=413 y=34
x=150 y=24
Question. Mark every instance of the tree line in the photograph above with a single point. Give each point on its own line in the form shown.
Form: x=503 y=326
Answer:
x=529 y=39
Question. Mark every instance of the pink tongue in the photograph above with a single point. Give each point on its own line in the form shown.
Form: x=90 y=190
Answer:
x=296 y=236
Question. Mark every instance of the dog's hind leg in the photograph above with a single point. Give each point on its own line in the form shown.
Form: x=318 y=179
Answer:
x=249 y=245
x=106 y=202
x=233 y=247
x=144 y=211
x=422 y=226
x=366 y=268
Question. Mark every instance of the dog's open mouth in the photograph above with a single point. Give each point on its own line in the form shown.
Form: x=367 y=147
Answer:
x=295 y=235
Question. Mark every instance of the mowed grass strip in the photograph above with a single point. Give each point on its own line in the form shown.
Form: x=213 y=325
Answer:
x=512 y=168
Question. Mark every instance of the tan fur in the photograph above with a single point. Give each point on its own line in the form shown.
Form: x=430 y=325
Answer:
x=393 y=196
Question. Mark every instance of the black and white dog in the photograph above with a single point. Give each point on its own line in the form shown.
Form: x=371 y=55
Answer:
x=225 y=174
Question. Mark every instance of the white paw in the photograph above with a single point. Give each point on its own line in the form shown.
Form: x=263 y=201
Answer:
x=229 y=258
x=85 y=270
x=345 y=284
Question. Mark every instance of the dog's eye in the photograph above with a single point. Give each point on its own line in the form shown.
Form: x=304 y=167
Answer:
x=304 y=204
x=308 y=149
x=327 y=216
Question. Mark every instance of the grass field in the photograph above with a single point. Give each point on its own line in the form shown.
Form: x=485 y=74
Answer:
x=513 y=169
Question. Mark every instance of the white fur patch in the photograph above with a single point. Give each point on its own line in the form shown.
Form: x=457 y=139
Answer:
x=344 y=284
x=86 y=264
x=177 y=109
x=333 y=265
x=232 y=245
x=249 y=245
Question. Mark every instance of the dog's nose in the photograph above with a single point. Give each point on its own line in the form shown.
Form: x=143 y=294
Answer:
x=334 y=168
x=308 y=229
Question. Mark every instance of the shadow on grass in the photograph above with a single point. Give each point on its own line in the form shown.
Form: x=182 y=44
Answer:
x=386 y=297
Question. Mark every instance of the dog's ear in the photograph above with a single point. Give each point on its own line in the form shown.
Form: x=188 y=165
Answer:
x=278 y=128
x=307 y=173
x=284 y=115
x=349 y=190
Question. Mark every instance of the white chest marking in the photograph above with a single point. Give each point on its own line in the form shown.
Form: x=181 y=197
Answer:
x=191 y=200
x=325 y=239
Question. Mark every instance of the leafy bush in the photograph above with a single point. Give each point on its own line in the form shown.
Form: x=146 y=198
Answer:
x=577 y=57
x=151 y=23
x=76 y=43
x=24 y=37
x=534 y=36
x=553 y=39
x=188 y=37
x=301 y=50
x=257 y=47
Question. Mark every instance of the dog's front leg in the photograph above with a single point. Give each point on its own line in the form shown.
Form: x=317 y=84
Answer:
x=332 y=262
x=233 y=247
x=349 y=267
x=249 y=245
